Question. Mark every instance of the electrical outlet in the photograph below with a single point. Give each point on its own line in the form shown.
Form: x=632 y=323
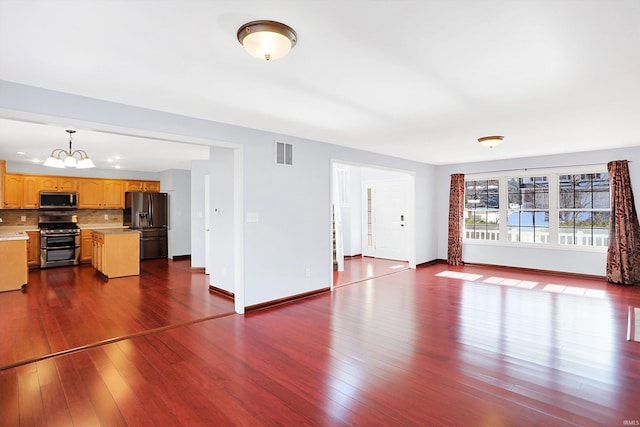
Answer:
x=308 y=272
x=106 y=216
x=0 y=219
x=23 y=218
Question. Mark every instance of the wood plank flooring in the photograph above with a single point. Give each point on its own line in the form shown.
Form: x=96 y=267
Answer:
x=434 y=346
x=69 y=307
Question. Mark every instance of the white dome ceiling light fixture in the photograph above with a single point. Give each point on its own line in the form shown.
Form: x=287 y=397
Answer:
x=267 y=39
x=61 y=158
x=491 y=141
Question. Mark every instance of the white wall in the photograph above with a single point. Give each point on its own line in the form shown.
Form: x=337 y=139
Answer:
x=199 y=168
x=177 y=184
x=566 y=260
x=352 y=214
x=293 y=232
x=222 y=219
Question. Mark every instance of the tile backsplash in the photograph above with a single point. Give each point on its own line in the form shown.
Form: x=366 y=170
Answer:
x=29 y=217
x=13 y=217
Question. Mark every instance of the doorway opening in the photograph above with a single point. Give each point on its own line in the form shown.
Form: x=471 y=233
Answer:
x=372 y=214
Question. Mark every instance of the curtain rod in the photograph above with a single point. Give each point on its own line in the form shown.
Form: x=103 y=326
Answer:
x=541 y=167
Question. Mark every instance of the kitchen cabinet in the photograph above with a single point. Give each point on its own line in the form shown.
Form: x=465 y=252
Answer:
x=95 y=193
x=116 y=253
x=30 y=192
x=13 y=261
x=12 y=195
x=86 y=245
x=58 y=183
x=151 y=186
x=23 y=191
x=113 y=194
x=33 y=249
x=90 y=193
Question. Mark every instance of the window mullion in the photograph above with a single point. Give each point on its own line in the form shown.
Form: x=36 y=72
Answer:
x=504 y=209
x=554 y=203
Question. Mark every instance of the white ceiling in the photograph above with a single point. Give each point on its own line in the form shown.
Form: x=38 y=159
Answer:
x=414 y=79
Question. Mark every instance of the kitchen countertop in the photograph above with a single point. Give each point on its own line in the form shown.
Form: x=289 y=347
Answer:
x=13 y=228
x=15 y=235
x=7 y=229
x=115 y=231
x=101 y=226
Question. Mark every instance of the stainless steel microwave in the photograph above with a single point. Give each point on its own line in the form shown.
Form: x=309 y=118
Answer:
x=62 y=200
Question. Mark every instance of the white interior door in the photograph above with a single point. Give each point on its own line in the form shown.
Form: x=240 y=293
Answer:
x=385 y=222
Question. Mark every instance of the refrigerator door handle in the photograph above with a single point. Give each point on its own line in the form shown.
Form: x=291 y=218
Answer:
x=150 y=210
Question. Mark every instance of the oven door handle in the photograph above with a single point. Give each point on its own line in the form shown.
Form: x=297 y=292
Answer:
x=55 y=248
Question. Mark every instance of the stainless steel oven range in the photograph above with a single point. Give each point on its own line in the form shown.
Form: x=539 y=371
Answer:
x=59 y=239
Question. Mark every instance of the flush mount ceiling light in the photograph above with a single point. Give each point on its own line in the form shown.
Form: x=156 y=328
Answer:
x=61 y=158
x=267 y=39
x=490 y=141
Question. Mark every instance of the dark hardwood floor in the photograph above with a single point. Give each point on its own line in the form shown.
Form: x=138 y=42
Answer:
x=427 y=347
x=360 y=268
x=69 y=307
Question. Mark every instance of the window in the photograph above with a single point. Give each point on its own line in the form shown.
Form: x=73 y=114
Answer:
x=481 y=204
x=528 y=215
x=584 y=209
x=565 y=208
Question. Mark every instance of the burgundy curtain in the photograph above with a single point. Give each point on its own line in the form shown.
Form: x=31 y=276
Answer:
x=623 y=256
x=456 y=216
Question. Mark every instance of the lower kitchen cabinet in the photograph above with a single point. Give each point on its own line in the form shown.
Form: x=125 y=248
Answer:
x=33 y=249
x=86 y=246
x=116 y=253
x=13 y=263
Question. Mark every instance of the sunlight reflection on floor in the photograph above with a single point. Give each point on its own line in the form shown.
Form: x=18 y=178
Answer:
x=550 y=287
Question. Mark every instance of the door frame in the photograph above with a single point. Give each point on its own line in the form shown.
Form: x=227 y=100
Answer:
x=410 y=222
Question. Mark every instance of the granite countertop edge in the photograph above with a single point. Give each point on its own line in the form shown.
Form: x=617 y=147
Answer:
x=115 y=231
x=15 y=235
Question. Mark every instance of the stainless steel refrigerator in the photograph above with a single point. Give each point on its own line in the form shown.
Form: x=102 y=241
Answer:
x=147 y=212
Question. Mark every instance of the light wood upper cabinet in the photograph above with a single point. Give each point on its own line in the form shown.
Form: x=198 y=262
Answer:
x=22 y=191
x=12 y=191
x=90 y=193
x=113 y=194
x=58 y=183
x=95 y=193
x=30 y=192
x=134 y=186
x=151 y=186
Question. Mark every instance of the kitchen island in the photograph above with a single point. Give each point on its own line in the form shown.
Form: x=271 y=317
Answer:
x=116 y=252
x=13 y=260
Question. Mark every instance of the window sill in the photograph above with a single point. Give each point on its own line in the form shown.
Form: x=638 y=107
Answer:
x=543 y=246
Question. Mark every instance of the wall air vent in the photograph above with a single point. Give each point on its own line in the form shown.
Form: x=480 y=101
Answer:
x=284 y=153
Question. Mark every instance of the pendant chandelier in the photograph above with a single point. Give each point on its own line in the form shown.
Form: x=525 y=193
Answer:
x=61 y=158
